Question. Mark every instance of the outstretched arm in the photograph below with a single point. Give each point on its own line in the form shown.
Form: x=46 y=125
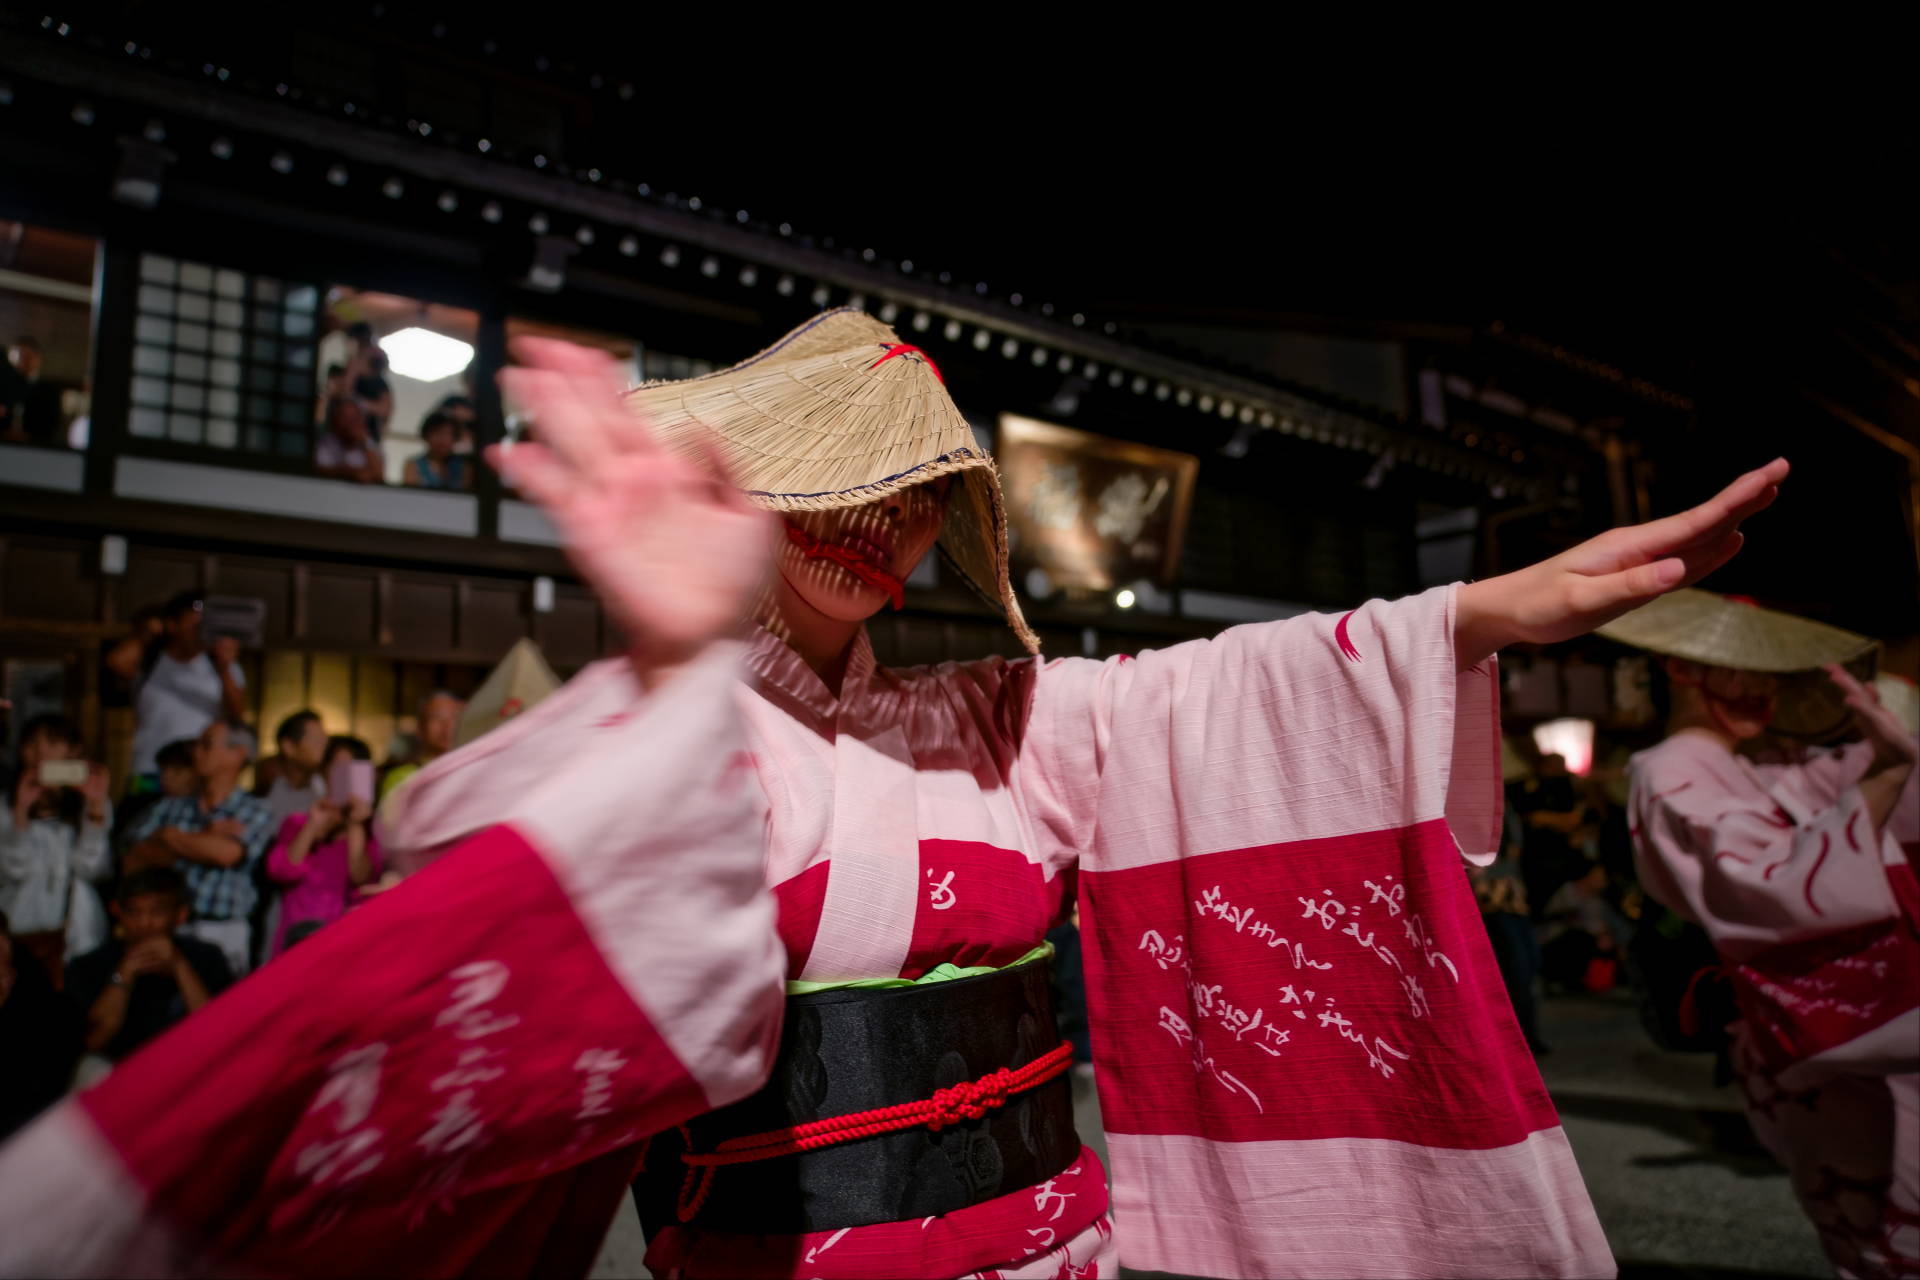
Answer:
x=1604 y=577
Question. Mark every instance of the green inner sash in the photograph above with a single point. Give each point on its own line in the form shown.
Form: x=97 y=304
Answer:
x=939 y=973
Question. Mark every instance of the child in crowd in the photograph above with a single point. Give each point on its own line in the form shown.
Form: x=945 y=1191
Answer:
x=325 y=854
x=149 y=975
x=347 y=451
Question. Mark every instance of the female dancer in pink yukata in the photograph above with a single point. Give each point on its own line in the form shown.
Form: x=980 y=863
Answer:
x=1803 y=876
x=748 y=916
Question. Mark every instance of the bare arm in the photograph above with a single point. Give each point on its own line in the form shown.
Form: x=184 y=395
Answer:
x=1604 y=577
x=204 y=847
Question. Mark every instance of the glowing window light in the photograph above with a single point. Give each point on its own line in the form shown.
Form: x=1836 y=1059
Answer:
x=1569 y=738
x=424 y=355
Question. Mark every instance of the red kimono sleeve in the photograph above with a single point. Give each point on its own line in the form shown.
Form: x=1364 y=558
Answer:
x=447 y=1079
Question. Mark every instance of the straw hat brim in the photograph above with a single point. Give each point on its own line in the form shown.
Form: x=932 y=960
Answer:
x=1701 y=626
x=840 y=413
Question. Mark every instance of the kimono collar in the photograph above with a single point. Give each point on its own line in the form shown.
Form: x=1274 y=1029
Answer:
x=773 y=662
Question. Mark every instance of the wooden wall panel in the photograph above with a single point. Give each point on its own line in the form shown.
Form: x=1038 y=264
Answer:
x=492 y=619
x=156 y=576
x=279 y=691
x=330 y=690
x=340 y=609
x=376 y=683
x=570 y=635
x=49 y=581
x=420 y=616
x=263 y=580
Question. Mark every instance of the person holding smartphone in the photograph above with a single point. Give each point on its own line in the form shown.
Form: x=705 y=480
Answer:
x=324 y=855
x=54 y=846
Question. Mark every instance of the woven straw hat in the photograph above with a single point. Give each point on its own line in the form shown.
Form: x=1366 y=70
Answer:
x=838 y=413
x=1702 y=626
x=1720 y=631
x=522 y=679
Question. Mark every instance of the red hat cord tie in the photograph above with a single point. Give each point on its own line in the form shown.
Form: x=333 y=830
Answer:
x=852 y=561
x=908 y=349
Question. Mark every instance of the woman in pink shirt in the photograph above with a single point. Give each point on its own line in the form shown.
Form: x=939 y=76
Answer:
x=323 y=856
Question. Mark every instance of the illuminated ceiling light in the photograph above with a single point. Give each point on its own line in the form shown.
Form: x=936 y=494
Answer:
x=889 y=313
x=1015 y=299
x=154 y=132
x=491 y=211
x=1010 y=348
x=670 y=256
x=866 y=255
x=1078 y=319
x=921 y=321
x=741 y=217
x=858 y=302
x=1161 y=391
x=1039 y=356
x=786 y=228
x=393 y=188
x=709 y=266
x=1183 y=398
x=485 y=145
x=629 y=246
x=448 y=202
x=1116 y=377
x=1266 y=420
x=1124 y=597
x=1206 y=404
x=906 y=266
x=981 y=339
x=584 y=235
x=538 y=224
x=425 y=356
x=1065 y=364
x=784 y=286
x=952 y=332
x=820 y=295
x=1226 y=408
x=1110 y=327
x=1089 y=371
x=749 y=276
x=337 y=175
x=82 y=113
x=281 y=162
x=1046 y=308
x=1246 y=414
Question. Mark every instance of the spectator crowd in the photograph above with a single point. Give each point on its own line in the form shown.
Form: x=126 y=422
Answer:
x=117 y=922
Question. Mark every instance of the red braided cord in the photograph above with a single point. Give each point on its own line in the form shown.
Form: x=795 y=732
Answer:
x=967 y=1101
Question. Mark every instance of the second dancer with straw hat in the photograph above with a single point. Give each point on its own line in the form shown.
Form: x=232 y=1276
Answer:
x=751 y=916
x=1803 y=876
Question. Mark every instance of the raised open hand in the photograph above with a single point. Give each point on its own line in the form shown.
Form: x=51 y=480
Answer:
x=1612 y=574
x=1893 y=746
x=673 y=550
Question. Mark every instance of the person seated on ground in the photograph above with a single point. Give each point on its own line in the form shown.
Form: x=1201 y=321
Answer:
x=38 y=1031
x=217 y=836
x=177 y=778
x=53 y=846
x=1579 y=928
x=439 y=714
x=347 y=450
x=323 y=856
x=152 y=975
x=439 y=467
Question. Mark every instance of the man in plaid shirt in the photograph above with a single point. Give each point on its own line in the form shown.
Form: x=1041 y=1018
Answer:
x=215 y=837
